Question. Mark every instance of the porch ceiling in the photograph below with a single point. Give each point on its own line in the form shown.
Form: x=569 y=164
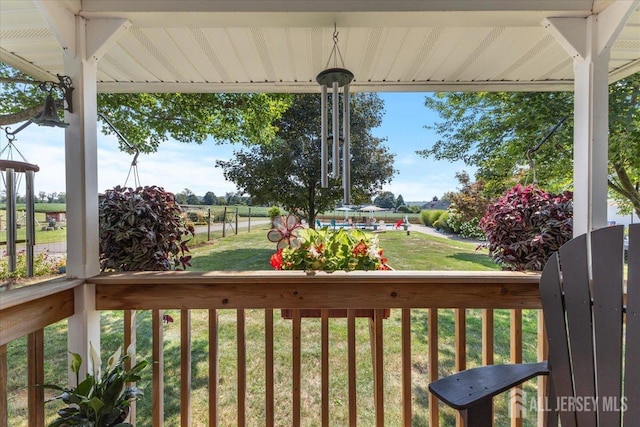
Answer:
x=280 y=46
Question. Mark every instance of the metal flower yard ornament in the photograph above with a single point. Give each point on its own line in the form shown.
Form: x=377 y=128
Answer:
x=327 y=250
x=284 y=231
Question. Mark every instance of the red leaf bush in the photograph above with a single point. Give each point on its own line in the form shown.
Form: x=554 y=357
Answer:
x=142 y=229
x=526 y=225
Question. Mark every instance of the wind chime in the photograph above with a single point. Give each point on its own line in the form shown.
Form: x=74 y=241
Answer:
x=331 y=80
x=10 y=170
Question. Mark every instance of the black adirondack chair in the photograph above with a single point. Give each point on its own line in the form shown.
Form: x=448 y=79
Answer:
x=593 y=331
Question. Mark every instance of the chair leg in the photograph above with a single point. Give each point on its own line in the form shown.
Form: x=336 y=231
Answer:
x=479 y=415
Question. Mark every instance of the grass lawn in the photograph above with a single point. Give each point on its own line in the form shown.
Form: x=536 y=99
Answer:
x=251 y=251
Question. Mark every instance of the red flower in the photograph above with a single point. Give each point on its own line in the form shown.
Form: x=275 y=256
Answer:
x=361 y=248
x=276 y=260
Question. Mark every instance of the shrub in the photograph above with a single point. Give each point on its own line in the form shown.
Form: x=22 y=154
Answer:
x=43 y=264
x=526 y=225
x=471 y=230
x=425 y=218
x=274 y=212
x=429 y=216
x=142 y=229
x=403 y=209
x=442 y=224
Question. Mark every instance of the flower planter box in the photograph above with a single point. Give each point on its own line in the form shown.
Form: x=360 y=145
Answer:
x=287 y=313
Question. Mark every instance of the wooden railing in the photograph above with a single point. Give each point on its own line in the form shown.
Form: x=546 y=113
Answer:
x=406 y=293
x=26 y=312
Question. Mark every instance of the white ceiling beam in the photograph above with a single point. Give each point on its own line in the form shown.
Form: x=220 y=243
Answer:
x=302 y=87
x=26 y=66
x=102 y=33
x=61 y=22
x=330 y=5
x=611 y=21
x=570 y=34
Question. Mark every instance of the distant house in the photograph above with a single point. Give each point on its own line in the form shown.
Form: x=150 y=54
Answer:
x=436 y=205
x=616 y=219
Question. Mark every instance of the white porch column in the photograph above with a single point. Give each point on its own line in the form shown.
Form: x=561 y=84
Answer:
x=81 y=159
x=83 y=42
x=588 y=42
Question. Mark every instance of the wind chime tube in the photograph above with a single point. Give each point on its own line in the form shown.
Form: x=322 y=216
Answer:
x=346 y=151
x=336 y=130
x=324 y=144
x=11 y=218
x=30 y=220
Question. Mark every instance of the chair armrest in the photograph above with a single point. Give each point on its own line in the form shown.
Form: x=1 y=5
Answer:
x=466 y=388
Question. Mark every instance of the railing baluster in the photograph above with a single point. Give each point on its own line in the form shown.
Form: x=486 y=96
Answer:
x=297 y=367
x=242 y=368
x=460 y=315
x=185 y=368
x=543 y=352
x=434 y=408
x=4 y=403
x=35 y=369
x=379 y=368
x=157 y=355
x=487 y=336
x=269 y=373
x=351 y=362
x=130 y=346
x=406 y=367
x=516 y=357
x=213 y=368
x=324 y=331
x=461 y=338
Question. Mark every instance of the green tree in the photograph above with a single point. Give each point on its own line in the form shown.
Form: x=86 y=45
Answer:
x=209 y=198
x=192 y=199
x=183 y=196
x=495 y=131
x=386 y=200
x=469 y=202
x=148 y=119
x=399 y=201
x=287 y=172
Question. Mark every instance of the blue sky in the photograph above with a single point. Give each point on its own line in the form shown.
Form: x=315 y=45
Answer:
x=177 y=166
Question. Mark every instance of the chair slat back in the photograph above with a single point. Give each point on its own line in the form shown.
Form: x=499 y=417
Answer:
x=554 y=319
x=577 y=300
x=607 y=291
x=631 y=415
x=584 y=318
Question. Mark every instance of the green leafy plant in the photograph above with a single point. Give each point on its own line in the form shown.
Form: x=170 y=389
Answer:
x=142 y=229
x=328 y=250
x=102 y=399
x=274 y=212
x=526 y=225
x=44 y=264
